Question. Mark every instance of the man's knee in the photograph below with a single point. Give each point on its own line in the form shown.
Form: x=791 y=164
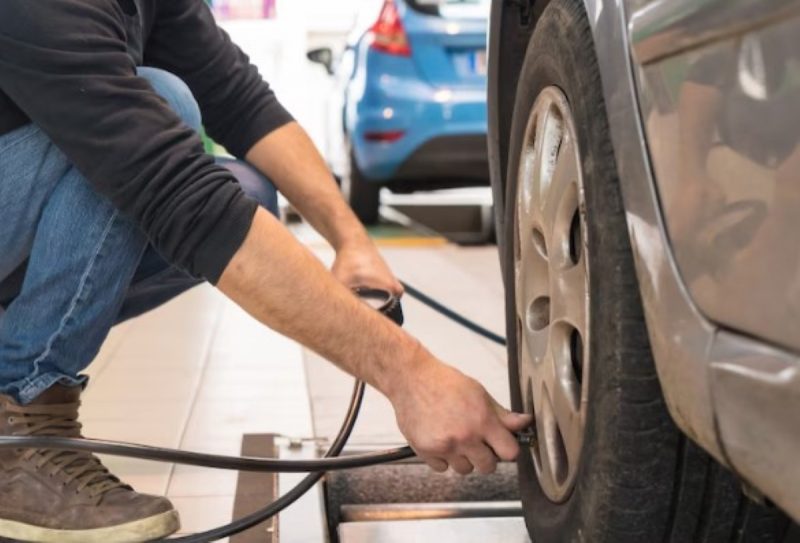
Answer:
x=255 y=185
x=176 y=93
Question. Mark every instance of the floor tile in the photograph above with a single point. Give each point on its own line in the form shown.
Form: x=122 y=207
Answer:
x=196 y=374
x=200 y=513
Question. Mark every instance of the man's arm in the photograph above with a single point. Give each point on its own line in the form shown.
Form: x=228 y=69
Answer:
x=289 y=158
x=241 y=112
x=448 y=418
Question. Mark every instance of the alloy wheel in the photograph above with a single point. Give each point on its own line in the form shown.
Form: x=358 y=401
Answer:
x=552 y=295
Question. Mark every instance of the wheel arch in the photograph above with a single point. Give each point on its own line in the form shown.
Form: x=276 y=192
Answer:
x=515 y=21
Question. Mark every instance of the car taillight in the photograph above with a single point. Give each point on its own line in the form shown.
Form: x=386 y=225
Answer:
x=384 y=137
x=388 y=34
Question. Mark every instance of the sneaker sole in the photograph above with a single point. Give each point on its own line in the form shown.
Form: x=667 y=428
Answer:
x=138 y=531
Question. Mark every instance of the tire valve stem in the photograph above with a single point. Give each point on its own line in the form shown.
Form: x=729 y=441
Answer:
x=527 y=438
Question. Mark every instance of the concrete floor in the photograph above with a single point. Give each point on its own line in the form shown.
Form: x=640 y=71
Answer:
x=198 y=373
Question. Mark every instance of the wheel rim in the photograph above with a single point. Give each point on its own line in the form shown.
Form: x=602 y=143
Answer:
x=552 y=297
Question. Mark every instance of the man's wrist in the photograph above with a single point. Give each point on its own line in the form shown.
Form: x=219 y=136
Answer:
x=344 y=229
x=405 y=369
x=350 y=236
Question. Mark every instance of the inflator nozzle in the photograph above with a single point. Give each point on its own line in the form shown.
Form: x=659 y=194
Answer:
x=382 y=300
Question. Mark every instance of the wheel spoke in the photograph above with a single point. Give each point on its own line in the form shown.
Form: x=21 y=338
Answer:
x=565 y=396
x=535 y=346
x=537 y=387
x=548 y=371
x=533 y=278
x=547 y=475
x=557 y=460
x=530 y=166
x=563 y=182
x=561 y=394
x=569 y=299
x=566 y=171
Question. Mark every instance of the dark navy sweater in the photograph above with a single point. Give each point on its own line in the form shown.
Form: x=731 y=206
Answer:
x=69 y=66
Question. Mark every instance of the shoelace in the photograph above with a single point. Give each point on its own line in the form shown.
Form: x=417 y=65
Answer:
x=61 y=420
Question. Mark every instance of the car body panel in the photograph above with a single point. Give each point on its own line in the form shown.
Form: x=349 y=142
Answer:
x=756 y=391
x=680 y=336
x=336 y=140
x=723 y=125
x=723 y=122
x=443 y=48
x=398 y=99
x=435 y=93
x=664 y=28
x=702 y=368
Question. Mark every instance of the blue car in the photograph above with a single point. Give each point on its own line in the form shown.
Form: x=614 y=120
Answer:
x=410 y=105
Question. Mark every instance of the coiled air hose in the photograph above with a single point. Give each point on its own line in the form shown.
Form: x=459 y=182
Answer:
x=383 y=301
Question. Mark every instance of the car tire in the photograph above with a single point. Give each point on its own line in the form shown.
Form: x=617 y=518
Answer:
x=638 y=478
x=362 y=194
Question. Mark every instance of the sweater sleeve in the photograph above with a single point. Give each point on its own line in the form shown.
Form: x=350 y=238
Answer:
x=238 y=106
x=65 y=65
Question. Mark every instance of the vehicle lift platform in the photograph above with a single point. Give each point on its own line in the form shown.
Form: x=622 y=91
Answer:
x=402 y=502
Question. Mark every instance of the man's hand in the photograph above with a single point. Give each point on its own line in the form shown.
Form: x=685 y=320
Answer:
x=288 y=157
x=450 y=420
x=361 y=265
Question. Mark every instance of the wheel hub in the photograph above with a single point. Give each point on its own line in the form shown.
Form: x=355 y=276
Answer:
x=552 y=296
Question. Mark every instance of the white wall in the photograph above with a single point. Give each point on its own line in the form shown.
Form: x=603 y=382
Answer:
x=278 y=48
x=321 y=15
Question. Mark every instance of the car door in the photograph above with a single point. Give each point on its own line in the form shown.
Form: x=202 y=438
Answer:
x=720 y=88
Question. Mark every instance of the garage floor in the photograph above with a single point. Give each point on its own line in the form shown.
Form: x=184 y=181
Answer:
x=199 y=373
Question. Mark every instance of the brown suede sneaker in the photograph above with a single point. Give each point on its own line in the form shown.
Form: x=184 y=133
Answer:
x=68 y=497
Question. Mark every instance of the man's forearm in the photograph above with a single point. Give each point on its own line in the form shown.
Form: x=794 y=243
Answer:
x=289 y=158
x=284 y=286
x=448 y=418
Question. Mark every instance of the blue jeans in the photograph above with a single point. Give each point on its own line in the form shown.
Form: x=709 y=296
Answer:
x=71 y=266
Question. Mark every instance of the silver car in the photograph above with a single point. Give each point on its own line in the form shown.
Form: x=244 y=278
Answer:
x=645 y=163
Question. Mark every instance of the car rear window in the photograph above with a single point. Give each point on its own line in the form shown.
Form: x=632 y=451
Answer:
x=453 y=9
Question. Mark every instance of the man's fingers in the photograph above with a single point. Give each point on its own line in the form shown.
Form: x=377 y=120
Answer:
x=461 y=465
x=483 y=458
x=437 y=464
x=513 y=421
x=501 y=439
x=504 y=445
x=380 y=282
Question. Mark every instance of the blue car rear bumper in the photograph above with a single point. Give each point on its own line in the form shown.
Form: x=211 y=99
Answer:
x=397 y=100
